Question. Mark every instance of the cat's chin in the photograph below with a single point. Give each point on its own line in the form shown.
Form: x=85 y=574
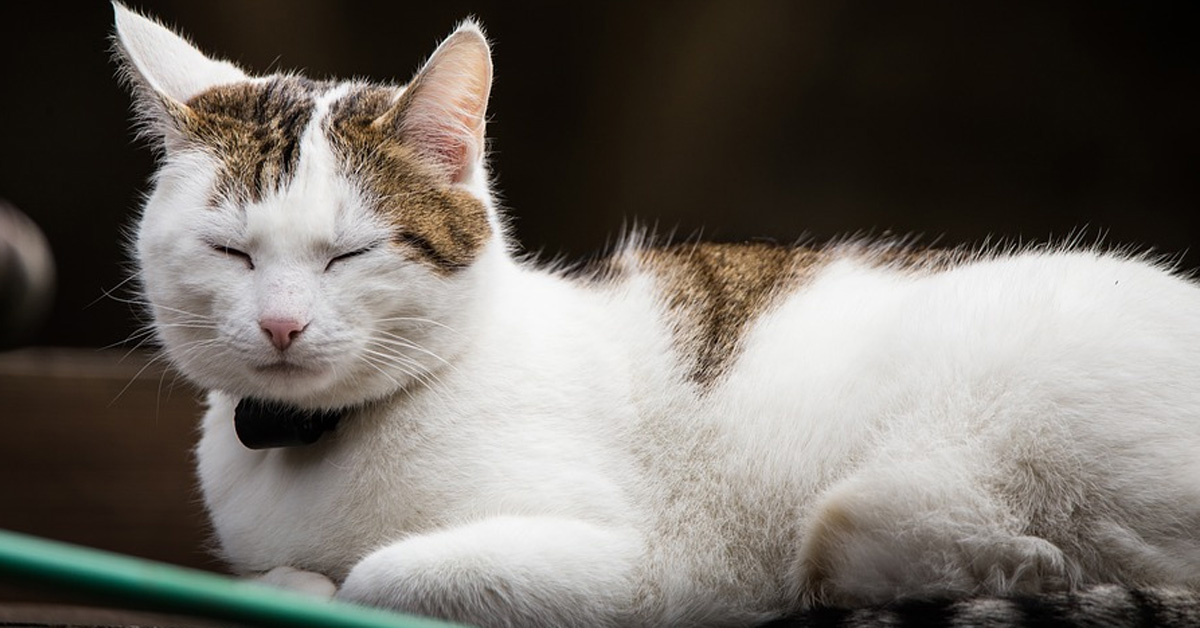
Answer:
x=288 y=369
x=318 y=387
x=288 y=380
x=304 y=385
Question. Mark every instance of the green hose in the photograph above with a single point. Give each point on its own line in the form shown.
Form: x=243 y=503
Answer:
x=147 y=585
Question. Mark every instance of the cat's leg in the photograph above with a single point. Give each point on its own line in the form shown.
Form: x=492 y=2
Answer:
x=506 y=571
x=913 y=532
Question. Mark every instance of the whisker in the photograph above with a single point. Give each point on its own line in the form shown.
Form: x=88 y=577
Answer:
x=110 y=292
x=387 y=354
x=144 y=303
x=428 y=381
x=382 y=372
x=415 y=319
x=391 y=358
x=141 y=335
x=189 y=325
x=394 y=340
x=151 y=362
x=145 y=338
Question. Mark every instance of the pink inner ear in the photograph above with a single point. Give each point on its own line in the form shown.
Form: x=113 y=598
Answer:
x=441 y=141
x=445 y=129
x=443 y=110
x=458 y=157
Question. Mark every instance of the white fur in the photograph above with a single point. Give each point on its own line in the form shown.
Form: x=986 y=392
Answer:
x=306 y=582
x=531 y=452
x=167 y=61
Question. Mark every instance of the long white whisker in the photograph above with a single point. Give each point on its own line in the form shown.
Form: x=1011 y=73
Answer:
x=160 y=306
x=145 y=338
x=109 y=293
x=414 y=319
x=408 y=363
x=394 y=340
x=141 y=335
x=394 y=344
x=394 y=359
x=382 y=372
x=428 y=380
x=189 y=325
x=151 y=362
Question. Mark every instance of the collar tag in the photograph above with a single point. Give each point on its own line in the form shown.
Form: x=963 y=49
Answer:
x=267 y=424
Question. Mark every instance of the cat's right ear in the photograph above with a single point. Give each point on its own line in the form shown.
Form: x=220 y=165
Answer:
x=164 y=71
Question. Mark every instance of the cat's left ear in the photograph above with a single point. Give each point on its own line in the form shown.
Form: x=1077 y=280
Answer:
x=165 y=71
x=442 y=111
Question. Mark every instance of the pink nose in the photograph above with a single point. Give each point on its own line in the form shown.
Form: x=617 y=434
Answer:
x=281 y=331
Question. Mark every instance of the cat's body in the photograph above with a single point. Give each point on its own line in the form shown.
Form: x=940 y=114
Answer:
x=694 y=434
x=571 y=406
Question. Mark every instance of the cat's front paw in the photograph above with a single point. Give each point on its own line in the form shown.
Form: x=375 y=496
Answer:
x=300 y=581
x=505 y=571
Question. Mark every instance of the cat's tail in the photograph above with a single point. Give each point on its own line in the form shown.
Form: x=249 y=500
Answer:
x=1112 y=606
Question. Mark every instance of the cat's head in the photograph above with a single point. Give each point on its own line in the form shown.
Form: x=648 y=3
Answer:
x=314 y=242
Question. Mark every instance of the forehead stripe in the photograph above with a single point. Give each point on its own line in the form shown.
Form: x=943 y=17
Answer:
x=254 y=128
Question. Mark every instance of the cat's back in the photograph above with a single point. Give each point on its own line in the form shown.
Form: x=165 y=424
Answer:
x=730 y=308
x=813 y=348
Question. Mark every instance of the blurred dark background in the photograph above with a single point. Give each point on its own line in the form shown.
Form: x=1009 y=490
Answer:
x=955 y=120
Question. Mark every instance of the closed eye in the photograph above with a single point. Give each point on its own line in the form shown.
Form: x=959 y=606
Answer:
x=345 y=256
x=232 y=252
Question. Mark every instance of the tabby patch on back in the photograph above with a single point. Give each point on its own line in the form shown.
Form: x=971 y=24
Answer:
x=715 y=291
x=404 y=412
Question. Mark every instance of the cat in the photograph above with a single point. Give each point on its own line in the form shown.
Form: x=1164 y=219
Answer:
x=403 y=412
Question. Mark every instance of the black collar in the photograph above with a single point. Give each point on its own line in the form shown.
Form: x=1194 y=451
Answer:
x=265 y=424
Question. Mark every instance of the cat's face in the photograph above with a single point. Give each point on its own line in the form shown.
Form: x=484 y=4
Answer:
x=309 y=242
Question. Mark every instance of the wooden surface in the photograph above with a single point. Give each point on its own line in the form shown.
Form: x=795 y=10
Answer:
x=65 y=616
x=95 y=449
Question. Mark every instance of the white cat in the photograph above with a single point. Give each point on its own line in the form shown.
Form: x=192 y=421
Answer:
x=682 y=435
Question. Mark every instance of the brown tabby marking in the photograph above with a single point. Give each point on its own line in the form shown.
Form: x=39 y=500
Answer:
x=439 y=224
x=254 y=128
x=714 y=291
